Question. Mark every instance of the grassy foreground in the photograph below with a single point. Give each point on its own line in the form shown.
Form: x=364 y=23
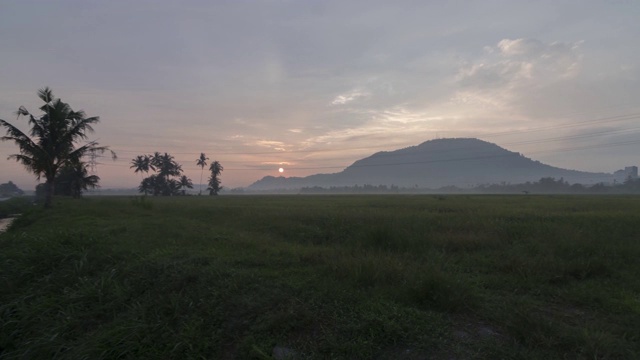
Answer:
x=325 y=277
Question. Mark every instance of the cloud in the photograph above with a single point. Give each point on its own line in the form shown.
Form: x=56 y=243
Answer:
x=530 y=47
x=275 y=145
x=328 y=75
x=350 y=96
x=522 y=62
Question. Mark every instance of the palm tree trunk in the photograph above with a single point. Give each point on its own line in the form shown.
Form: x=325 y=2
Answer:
x=48 y=193
x=201 y=171
x=142 y=181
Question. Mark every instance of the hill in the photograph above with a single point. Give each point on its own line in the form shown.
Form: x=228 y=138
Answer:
x=463 y=162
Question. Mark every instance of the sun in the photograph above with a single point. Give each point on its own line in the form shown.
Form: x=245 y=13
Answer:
x=280 y=170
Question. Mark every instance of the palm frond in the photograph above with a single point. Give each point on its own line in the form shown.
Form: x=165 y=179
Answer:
x=30 y=163
x=46 y=94
x=21 y=139
x=12 y=130
x=22 y=111
x=77 y=154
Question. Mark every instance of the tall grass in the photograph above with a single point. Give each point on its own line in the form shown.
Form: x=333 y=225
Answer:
x=389 y=277
x=16 y=205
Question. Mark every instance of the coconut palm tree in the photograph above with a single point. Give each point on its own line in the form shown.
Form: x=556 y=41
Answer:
x=171 y=188
x=162 y=183
x=214 y=182
x=147 y=185
x=166 y=165
x=141 y=163
x=74 y=179
x=51 y=143
x=185 y=183
x=202 y=162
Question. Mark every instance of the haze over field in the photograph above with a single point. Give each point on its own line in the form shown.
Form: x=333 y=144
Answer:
x=311 y=87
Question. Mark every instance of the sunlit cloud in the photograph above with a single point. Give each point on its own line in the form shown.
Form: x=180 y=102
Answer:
x=271 y=144
x=349 y=97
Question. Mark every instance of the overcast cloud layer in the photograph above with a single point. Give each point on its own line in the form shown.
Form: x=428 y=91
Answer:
x=312 y=86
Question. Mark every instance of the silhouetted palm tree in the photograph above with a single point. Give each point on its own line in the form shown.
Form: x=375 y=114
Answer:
x=73 y=179
x=202 y=162
x=147 y=185
x=52 y=144
x=185 y=183
x=172 y=188
x=142 y=163
x=214 y=182
x=166 y=165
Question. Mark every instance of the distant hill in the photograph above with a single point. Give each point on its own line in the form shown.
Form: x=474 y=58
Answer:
x=437 y=163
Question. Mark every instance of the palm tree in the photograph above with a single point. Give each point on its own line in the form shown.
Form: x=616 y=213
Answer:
x=185 y=183
x=73 y=179
x=142 y=163
x=214 y=181
x=166 y=165
x=202 y=162
x=147 y=185
x=171 y=188
x=52 y=141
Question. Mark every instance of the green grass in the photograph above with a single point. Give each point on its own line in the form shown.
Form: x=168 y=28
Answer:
x=16 y=205
x=339 y=277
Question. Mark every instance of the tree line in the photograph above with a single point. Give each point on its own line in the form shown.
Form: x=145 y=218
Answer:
x=168 y=178
x=546 y=185
x=52 y=149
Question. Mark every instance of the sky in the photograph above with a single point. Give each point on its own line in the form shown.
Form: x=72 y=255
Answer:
x=312 y=86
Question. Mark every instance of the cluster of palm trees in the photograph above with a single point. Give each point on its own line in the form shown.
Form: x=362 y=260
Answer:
x=51 y=148
x=168 y=178
x=215 y=168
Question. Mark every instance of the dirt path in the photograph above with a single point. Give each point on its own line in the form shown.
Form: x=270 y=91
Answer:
x=4 y=223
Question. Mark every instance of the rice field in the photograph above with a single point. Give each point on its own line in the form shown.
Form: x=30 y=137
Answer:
x=323 y=277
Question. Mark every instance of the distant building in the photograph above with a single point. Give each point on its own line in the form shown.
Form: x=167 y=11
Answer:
x=623 y=174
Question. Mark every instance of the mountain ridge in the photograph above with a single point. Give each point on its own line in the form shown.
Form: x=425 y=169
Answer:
x=462 y=162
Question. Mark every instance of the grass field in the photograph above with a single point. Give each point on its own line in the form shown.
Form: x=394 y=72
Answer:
x=324 y=277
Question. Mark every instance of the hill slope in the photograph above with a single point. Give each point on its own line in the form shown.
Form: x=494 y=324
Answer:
x=437 y=163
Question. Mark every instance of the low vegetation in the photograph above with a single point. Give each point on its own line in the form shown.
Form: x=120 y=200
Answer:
x=16 y=205
x=340 y=277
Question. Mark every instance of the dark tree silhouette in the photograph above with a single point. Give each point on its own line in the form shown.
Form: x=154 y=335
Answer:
x=74 y=179
x=147 y=185
x=214 y=180
x=166 y=181
x=202 y=162
x=141 y=163
x=165 y=165
x=185 y=183
x=53 y=139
